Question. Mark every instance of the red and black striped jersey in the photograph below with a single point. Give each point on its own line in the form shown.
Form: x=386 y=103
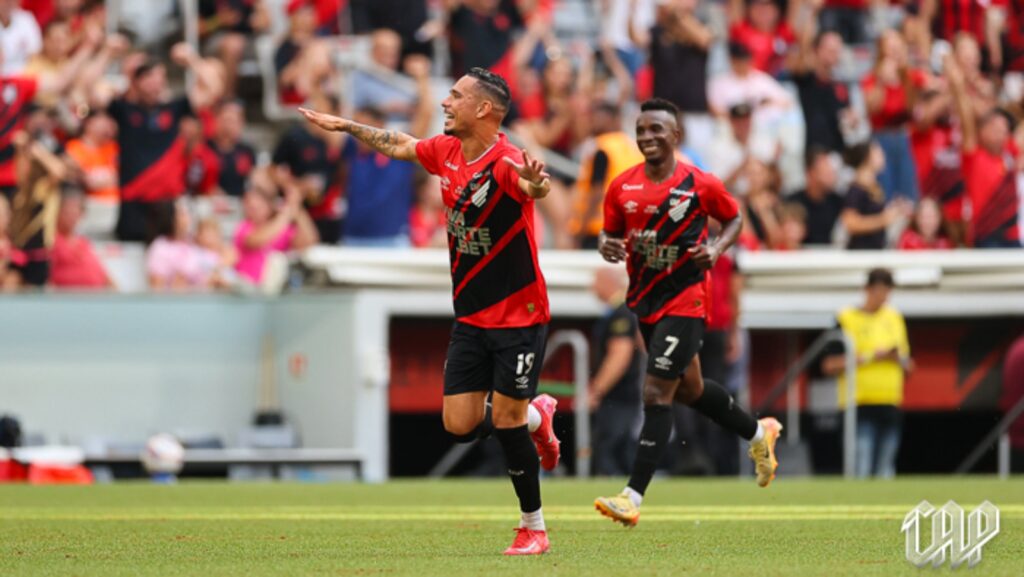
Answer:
x=496 y=281
x=661 y=222
x=16 y=92
x=152 y=162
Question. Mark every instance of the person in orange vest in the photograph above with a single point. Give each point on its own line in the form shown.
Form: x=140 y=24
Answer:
x=607 y=155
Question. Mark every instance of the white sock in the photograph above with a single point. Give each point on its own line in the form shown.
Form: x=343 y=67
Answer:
x=533 y=521
x=532 y=418
x=635 y=497
x=759 y=435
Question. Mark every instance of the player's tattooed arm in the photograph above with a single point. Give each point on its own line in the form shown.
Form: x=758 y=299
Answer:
x=391 y=143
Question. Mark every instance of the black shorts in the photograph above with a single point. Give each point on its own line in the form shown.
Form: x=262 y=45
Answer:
x=671 y=344
x=503 y=360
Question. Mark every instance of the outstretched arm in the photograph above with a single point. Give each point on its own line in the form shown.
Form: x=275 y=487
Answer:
x=390 y=143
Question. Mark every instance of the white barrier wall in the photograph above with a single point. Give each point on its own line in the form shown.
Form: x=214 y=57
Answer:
x=75 y=367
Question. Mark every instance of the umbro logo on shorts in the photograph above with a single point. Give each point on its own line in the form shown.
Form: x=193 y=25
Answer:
x=523 y=381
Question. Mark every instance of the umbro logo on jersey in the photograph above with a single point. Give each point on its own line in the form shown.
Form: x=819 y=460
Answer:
x=651 y=209
x=679 y=210
x=449 y=165
x=630 y=206
x=480 y=196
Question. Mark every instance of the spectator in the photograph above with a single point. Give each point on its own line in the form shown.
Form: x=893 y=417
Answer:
x=950 y=17
x=736 y=146
x=822 y=205
x=210 y=238
x=879 y=336
x=849 y=18
x=933 y=141
x=744 y=84
x=18 y=92
x=226 y=27
x=925 y=230
x=982 y=91
x=614 y=388
x=759 y=26
x=610 y=153
x=865 y=215
x=302 y=61
x=10 y=256
x=989 y=168
x=481 y=34
x=890 y=92
x=20 y=38
x=173 y=261
x=73 y=262
x=678 y=46
x=621 y=22
x=308 y=157
x=202 y=167
x=793 y=222
x=428 y=219
x=555 y=117
x=152 y=152
x=236 y=159
x=96 y=153
x=375 y=88
x=825 y=101
x=764 y=209
x=268 y=230
x=406 y=17
x=34 y=209
x=55 y=52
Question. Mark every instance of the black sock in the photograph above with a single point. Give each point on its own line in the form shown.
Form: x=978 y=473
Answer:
x=653 y=443
x=523 y=465
x=718 y=405
x=482 y=431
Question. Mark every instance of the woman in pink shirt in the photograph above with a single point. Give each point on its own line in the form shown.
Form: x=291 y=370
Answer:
x=266 y=231
x=173 y=260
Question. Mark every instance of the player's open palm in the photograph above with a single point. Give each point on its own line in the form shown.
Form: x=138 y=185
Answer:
x=531 y=170
x=325 y=121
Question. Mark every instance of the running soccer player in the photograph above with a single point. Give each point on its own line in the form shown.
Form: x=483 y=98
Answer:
x=501 y=302
x=656 y=219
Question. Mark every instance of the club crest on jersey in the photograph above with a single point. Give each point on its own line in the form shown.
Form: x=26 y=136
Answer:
x=679 y=208
x=630 y=206
x=10 y=93
x=479 y=197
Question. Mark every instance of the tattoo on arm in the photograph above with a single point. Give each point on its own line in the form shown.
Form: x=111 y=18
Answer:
x=390 y=143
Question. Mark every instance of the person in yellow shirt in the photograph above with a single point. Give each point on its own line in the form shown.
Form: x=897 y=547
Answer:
x=879 y=335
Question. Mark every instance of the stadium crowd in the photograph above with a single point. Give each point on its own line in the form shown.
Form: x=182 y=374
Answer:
x=867 y=124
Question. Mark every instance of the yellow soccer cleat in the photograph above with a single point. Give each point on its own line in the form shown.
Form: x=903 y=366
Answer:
x=763 y=451
x=619 y=508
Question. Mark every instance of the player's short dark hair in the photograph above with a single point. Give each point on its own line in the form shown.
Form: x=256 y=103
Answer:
x=655 y=104
x=880 y=276
x=494 y=86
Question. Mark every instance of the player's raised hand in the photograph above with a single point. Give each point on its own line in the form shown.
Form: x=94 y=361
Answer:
x=703 y=256
x=327 y=122
x=612 y=249
x=532 y=171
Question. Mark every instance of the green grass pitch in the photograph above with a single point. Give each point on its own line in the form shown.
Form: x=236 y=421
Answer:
x=796 y=528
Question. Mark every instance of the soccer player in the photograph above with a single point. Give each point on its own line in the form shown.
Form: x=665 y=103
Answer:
x=501 y=303
x=656 y=219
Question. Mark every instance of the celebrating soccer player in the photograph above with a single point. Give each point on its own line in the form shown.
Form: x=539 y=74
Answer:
x=501 y=302
x=656 y=219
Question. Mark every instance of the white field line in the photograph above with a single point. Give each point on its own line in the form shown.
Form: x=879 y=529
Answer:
x=470 y=514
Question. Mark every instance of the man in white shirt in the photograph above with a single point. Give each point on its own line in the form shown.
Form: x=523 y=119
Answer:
x=735 y=144
x=744 y=84
x=19 y=38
